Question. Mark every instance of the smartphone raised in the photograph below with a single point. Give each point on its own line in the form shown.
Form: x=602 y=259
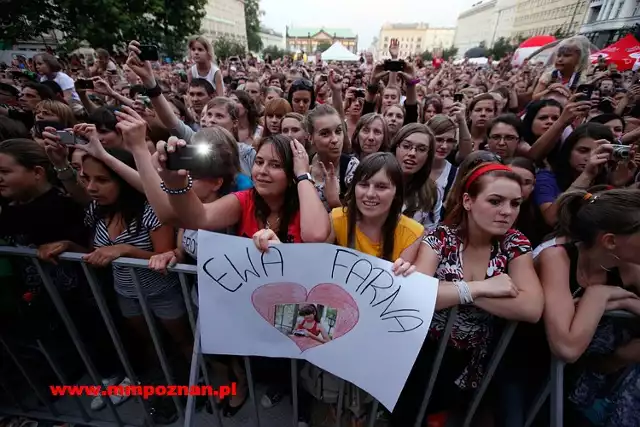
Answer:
x=148 y=52
x=458 y=97
x=394 y=65
x=67 y=137
x=84 y=84
x=606 y=106
x=196 y=157
x=40 y=125
x=359 y=93
x=585 y=91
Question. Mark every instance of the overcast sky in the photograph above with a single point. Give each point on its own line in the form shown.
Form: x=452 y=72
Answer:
x=364 y=17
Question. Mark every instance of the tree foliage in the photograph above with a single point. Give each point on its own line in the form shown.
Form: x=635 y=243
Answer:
x=427 y=55
x=447 y=54
x=450 y=52
x=227 y=46
x=110 y=24
x=274 y=51
x=252 y=14
x=23 y=20
x=322 y=46
x=502 y=47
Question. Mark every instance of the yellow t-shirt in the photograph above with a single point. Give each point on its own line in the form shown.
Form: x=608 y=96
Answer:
x=407 y=232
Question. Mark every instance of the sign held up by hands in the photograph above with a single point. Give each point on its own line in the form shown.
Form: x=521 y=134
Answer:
x=342 y=310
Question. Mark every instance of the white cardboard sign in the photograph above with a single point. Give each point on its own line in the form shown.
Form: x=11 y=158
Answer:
x=337 y=308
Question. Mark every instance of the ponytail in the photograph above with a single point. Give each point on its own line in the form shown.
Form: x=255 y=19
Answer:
x=569 y=204
x=582 y=216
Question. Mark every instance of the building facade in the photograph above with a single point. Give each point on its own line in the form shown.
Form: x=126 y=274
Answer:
x=476 y=26
x=224 y=18
x=308 y=39
x=414 y=38
x=545 y=17
x=606 y=21
x=270 y=37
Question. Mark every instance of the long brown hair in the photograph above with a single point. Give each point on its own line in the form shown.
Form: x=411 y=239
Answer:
x=457 y=217
x=282 y=146
x=367 y=168
x=420 y=192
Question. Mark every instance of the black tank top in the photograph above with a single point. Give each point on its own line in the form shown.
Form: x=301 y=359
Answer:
x=613 y=276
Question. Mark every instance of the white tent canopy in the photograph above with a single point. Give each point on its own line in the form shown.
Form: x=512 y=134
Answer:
x=337 y=52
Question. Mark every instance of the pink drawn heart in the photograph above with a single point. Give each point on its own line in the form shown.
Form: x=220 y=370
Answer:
x=266 y=297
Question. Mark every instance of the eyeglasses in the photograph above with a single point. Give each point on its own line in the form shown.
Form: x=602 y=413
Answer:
x=420 y=148
x=506 y=138
x=442 y=140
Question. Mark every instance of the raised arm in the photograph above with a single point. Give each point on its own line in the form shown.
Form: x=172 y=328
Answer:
x=189 y=211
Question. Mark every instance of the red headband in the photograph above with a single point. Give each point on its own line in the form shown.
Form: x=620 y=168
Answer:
x=489 y=167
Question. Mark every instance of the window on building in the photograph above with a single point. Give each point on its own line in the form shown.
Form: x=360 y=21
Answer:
x=619 y=9
x=386 y=39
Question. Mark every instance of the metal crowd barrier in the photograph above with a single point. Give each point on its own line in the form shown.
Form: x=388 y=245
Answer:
x=198 y=368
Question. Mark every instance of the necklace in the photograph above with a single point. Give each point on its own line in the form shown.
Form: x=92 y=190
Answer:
x=268 y=225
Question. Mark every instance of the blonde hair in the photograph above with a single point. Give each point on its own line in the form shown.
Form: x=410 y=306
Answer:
x=204 y=42
x=59 y=109
x=582 y=45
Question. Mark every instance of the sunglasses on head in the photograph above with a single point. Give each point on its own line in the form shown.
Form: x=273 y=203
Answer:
x=302 y=84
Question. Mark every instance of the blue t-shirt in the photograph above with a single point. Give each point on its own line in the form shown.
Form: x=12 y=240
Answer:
x=243 y=182
x=546 y=189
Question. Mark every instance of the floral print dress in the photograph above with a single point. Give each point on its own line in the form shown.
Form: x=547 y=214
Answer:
x=473 y=329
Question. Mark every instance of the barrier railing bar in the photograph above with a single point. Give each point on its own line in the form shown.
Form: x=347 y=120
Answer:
x=42 y=398
x=115 y=336
x=73 y=332
x=294 y=390
x=537 y=404
x=77 y=257
x=505 y=338
x=193 y=322
x=39 y=415
x=340 y=403
x=374 y=413
x=187 y=301
x=199 y=362
x=151 y=324
x=193 y=378
x=557 y=392
x=61 y=379
x=435 y=368
x=252 y=390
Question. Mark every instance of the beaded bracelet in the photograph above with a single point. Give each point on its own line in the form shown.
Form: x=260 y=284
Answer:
x=179 y=191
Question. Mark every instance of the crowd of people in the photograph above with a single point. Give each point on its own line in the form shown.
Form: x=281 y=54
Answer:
x=515 y=187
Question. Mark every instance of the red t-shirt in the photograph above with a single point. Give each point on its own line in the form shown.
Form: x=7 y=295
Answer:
x=248 y=225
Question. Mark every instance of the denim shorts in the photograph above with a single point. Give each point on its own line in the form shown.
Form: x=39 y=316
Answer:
x=168 y=305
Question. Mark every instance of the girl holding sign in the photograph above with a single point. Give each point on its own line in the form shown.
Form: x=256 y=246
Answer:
x=486 y=269
x=283 y=198
x=372 y=220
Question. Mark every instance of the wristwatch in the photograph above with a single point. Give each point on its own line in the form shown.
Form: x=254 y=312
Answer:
x=304 y=177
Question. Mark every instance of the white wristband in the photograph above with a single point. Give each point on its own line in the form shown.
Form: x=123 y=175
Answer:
x=464 y=292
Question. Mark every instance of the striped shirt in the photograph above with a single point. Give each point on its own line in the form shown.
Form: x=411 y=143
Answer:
x=152 y=283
